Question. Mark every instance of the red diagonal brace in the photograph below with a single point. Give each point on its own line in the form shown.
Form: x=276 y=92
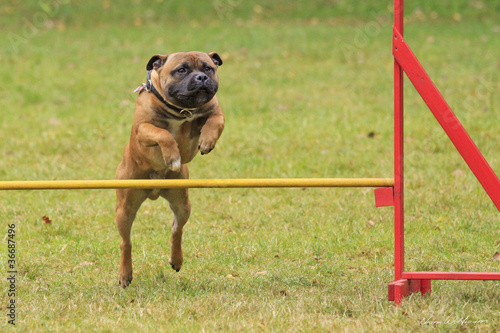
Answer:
x=446 y=118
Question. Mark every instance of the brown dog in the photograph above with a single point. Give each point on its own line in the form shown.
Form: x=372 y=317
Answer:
x=176 y=114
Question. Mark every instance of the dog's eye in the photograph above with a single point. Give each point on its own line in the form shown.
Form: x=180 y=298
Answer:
x=181 y=70
x=208 y=69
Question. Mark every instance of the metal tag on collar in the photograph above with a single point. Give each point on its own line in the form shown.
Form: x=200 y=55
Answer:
x=148 y=81
x=186 y=113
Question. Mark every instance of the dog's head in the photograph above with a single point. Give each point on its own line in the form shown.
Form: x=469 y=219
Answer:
x=188 y=80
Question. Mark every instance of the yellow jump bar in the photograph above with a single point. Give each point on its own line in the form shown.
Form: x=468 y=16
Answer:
x=195 y=183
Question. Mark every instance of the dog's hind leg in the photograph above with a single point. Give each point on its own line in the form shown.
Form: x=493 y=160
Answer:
x=128 y=202
x=179 y=203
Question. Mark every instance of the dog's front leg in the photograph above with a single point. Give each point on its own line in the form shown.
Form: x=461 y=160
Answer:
x=210 y=133
x=149 y=135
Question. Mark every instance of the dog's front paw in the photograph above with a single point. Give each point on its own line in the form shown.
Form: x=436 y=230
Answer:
x=207 y=141
x=172 y=158
x=174 y=164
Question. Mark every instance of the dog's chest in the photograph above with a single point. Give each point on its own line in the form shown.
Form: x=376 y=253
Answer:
x=186 y=133
x=184 y=130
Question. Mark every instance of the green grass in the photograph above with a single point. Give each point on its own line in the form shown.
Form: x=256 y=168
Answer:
x=302 y=88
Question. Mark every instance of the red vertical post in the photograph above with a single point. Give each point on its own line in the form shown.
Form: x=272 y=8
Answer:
x=398 y=153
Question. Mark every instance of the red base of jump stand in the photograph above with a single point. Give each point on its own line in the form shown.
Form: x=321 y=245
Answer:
x=414 y=282
x=401 y=288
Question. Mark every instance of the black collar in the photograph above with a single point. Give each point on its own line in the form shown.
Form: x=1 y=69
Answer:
x=186 y=113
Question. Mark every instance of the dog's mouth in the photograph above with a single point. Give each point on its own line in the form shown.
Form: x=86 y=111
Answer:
x=204 y=88
x=192 y=99
x=193 y=95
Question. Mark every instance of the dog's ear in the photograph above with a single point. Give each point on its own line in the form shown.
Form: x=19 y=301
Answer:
x=156 y=61
x=215 y=58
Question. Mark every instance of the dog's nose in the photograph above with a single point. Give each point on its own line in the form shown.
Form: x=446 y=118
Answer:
x=201 y=78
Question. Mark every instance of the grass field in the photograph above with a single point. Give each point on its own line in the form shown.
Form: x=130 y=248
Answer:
x=307 y=92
